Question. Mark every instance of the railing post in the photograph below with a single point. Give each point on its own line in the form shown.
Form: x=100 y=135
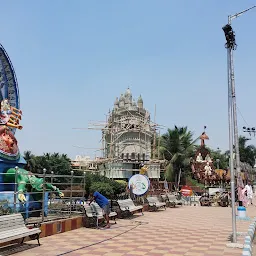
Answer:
x=15 y=189
x=43 y=197
x=84 y=187
x=51 y=183
x=71 y=192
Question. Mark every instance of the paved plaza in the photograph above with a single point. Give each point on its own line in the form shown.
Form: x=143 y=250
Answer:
x=186 y=230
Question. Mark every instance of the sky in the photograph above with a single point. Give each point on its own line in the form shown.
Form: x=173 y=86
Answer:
x=73 y=58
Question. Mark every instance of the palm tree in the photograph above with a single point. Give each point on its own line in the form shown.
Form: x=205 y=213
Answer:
x=247 y=153
x=31 y=161
x=177 y=146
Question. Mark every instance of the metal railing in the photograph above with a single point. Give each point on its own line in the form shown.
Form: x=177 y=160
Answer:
x=43 y=203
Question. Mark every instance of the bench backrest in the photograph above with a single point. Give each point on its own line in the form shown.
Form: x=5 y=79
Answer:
x=172 y=197
x=10 y=222
x=93 y=209
x=153 y=199
x=126 y=203
x=164 y=197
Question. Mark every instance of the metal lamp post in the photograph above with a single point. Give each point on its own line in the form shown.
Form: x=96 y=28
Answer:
x=232 y=113
x=218 y=163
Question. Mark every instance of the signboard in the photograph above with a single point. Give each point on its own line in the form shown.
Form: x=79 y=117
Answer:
x=186 y=191
x=139 y=184
x=214 y=190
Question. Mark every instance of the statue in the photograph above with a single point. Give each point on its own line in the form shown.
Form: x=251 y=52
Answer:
x=208 y=158
x=143 y=169
x=199 y=158
x=8 y=144
x=27 y=181
x=9 y=119
x=10 y=116
x=203 y=137
x=208 y=169
x=202 y=167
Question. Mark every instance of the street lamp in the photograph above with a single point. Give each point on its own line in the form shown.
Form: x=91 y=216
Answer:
x=232 y=113
x=218 y=163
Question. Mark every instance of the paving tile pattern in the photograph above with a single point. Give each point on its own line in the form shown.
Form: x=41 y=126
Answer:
x=187 y=230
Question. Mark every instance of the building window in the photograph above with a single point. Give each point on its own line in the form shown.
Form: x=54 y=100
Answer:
x=133 y=156
x=138 y=157
x=143 y=157
x=127 y=156
x=122 y=155
x=135 y=172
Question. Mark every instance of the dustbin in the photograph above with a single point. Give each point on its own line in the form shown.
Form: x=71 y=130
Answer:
x=241 y=210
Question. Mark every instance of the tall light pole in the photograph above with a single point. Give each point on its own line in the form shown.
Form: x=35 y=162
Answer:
x=232 y=112
x=233 y=93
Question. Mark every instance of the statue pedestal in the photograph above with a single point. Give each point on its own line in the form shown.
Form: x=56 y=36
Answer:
x=28 y=209
x=34 y=208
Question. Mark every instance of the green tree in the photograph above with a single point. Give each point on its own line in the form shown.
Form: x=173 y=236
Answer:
x=90 y=178
x=104 y=188
x=247 y=152
x=177 y=146
x=219 y=159
x=58 y=164
x=31 y=161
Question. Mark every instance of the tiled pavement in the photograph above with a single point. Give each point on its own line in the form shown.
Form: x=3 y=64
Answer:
x=187 y=230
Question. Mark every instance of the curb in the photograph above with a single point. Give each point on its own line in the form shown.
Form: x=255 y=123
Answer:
x=243 y=218
x=247 y=251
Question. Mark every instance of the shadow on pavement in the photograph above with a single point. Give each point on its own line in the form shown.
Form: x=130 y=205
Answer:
x=15 y=248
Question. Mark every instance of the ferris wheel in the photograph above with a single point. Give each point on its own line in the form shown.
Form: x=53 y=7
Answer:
x=8 y=82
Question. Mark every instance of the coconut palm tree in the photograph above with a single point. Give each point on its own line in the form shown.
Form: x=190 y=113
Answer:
x=31 y=161
x=177 y=146
x=247 y=152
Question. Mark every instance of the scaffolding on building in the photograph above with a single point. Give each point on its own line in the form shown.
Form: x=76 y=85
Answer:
x=120 y=122
x=127 y=125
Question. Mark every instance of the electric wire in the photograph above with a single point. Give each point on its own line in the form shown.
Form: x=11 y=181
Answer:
x=139 y=223
x=242 y=116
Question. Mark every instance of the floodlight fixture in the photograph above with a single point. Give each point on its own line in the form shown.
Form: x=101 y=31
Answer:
x=230 y=37
x=250 y=130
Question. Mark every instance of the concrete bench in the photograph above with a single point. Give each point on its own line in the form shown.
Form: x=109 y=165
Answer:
x=94 y=213
x=127 y=207
x=155 y=204
x=166 y=200
x=194 y=200
x=173 y=200
x=12 y=227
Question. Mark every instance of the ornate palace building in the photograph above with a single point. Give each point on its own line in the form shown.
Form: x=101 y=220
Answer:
x=128 y=137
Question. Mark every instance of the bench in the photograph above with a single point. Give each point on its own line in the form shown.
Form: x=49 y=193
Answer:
x=12 y=227
x=166 y=200
x=173 y=200
x=193 y=200
x=94 y=213
x=155 y=204
x=127 y=207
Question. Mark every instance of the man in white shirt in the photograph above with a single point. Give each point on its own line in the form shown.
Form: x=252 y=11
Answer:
x=249 y=191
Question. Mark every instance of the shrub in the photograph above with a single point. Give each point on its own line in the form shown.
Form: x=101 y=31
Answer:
x=77 y=191
x=102 y=187
x=116 y=187
x=123 y=184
